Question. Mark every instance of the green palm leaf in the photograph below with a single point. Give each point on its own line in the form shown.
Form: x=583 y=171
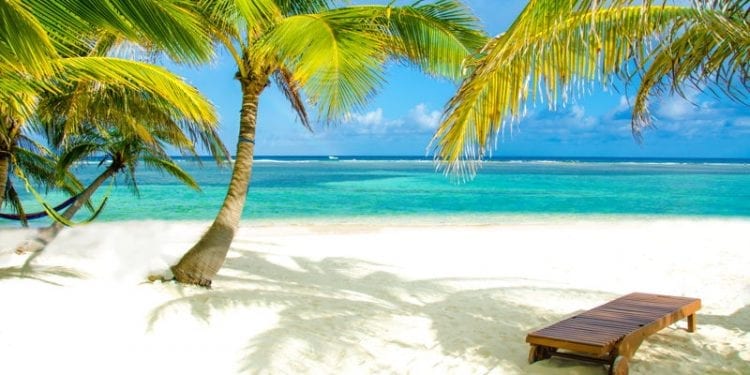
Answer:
x=24 y=44
x=335 y=56
x=338 y=56
x=711 y=49
x=542 y=57
x=173 y=169
x=135 y=75
x=436 y=37
x=291 y=90
x=172 y=26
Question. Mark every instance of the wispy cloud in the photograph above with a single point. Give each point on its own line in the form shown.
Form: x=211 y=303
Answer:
x=373 y=122
x=419 y=120
x=422 y=116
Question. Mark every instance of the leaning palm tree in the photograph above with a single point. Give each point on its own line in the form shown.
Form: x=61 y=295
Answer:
x=328 y=56
x=50 y=43
x=556 y=47
x=123 y=128
x=38 y=164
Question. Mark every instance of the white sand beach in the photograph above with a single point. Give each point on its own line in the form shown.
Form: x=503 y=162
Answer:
x=367 y=298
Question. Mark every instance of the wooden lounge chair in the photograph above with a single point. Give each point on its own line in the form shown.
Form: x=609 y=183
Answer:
x=611 y=333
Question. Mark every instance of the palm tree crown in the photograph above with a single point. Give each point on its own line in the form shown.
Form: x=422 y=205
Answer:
x=330 y=57
x=48 y=42
x=555 y=47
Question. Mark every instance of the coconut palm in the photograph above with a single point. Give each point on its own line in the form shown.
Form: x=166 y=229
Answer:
x=124 y=128
x=332 y=57
x=555 y=47
x=39 y=166
x=49 y=41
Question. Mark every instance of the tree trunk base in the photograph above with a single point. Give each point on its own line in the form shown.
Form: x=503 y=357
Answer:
x=187 y=278
x=36 y=244
x=40 y=241
x=30 y=246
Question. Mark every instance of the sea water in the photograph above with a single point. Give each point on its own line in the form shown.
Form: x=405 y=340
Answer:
x=313 y=188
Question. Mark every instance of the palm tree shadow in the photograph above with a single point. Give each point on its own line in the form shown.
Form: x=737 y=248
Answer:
x=45 y=274
x=675 y=345
x=338 y=310
x=490 y=326
x=342 y=313
x=730 y=322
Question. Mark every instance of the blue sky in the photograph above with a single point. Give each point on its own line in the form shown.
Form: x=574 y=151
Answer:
x=401 y=119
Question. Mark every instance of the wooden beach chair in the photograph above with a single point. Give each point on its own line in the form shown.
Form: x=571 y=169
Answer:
x=611 y=333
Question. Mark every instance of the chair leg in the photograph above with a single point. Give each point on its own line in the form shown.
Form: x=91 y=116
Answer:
x=620 y=366
x=691 y=323
x=539 y=352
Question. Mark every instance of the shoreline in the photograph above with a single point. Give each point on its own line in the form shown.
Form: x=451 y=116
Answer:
x=469 y=219
x=366 y=297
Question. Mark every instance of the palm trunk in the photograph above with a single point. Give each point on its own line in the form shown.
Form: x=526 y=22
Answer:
x=46 y=235
x=201 y=263
x=4 y=170
x=10 y=130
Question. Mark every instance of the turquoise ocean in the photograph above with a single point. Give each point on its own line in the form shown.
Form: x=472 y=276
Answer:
x=360 y=188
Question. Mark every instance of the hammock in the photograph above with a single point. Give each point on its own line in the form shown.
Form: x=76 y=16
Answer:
x=40 y=214
x=52 y=211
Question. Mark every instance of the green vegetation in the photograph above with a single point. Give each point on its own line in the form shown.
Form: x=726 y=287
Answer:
x=58 y=78
x=315 y=53
x=556 y=47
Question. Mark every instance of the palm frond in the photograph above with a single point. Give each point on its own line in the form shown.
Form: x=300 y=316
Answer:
x=130 y=179
x=438 y=37
x=42 y=166
x=173 y=26
x=77 y=151
x=135 y=75
x=711 y=49
x=294 y=7
x=170 y=167
x=291 y=90
x=211 y=141
x=40 y=169
x=254 y=15
x=542 y=57
x=13 y=200
x=24 y=43
x=336 y=57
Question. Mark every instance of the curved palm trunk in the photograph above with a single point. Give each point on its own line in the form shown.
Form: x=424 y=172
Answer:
x=46 y=235
x=4 y=170
x=201 y=263
x=10 y=130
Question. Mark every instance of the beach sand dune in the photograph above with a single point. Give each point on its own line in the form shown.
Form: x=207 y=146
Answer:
x=424 y=298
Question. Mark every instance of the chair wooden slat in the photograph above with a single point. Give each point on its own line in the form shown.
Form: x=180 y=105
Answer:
x=612 y=332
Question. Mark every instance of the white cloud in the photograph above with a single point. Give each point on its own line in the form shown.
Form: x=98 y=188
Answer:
x=577 y=112
x=426 y=119
x=370 y=118
x=420 y=119
x=623 y=105
x=373 y=122
x=675 y=108
x=743 y=122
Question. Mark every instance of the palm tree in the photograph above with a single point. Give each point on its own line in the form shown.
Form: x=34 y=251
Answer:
x=39 y=166
x=124 y=127
x=333 y=58
x=555 y=47
x=51 y=43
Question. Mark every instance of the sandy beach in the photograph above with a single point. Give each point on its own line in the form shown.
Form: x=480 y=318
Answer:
x=367 y=298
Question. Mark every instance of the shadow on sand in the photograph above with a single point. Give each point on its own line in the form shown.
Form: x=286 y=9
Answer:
x=340 y=313
x=45 y=274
